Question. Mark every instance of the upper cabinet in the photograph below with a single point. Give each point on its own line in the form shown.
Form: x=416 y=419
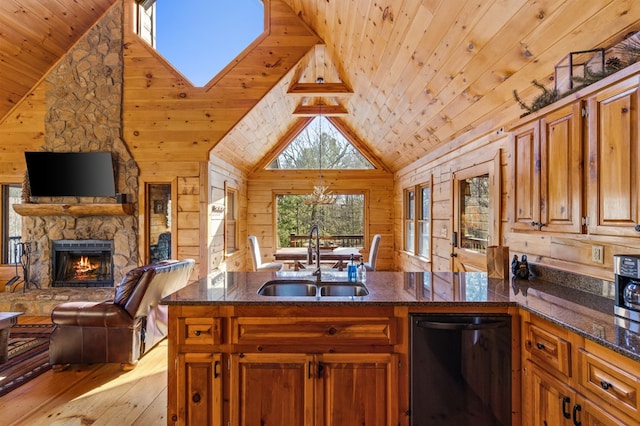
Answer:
x=554 y=190
x=613 y=160
x=546 y=169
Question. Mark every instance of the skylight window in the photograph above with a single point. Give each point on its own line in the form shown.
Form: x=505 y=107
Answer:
x=200 y=38
x=303 y=152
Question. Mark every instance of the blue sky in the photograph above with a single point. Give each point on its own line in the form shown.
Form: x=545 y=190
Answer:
x=200 y=37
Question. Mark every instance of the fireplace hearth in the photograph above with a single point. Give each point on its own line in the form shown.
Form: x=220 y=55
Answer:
x=82 y=263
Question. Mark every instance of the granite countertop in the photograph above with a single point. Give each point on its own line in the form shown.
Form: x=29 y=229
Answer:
x=585 y=313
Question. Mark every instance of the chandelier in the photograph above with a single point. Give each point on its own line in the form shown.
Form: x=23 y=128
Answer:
x=321 y=194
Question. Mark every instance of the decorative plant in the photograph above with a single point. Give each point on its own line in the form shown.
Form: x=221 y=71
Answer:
x=547 y=97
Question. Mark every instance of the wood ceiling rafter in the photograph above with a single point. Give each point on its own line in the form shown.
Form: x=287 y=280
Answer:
x=320 y=86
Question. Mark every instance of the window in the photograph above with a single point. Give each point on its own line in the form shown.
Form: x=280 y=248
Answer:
x=231 y=219
x=341 y=224
x=424 y=222
x=11 y=224
x=409 y=219
x=337 y=151
x=417 y=220
x=474 y=213
x=176 y=29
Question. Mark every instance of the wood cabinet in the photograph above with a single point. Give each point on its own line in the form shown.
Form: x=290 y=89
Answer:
x=322 y=389
x=613 y=160
x=555 y=191
x=547 y=172
x=292 y=366
x=566 y=383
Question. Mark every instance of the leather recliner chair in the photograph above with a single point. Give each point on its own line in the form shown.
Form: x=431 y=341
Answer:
x=121 y=330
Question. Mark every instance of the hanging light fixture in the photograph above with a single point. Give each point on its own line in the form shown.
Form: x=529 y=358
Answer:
x=321 y=193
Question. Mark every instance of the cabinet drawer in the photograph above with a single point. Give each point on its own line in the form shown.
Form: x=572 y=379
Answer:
x=200 y=331
x=608 y=382
x=255 y=330
x=549 y=348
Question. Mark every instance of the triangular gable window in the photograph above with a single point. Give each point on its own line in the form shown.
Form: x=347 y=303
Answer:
x=303 y=152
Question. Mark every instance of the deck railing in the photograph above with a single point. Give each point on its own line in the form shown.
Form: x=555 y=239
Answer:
x=328 y=240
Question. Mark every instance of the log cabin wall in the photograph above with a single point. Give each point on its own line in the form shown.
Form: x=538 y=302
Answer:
x=439 y=172
x=169 y=126
x=609 y=126
x=375 y=184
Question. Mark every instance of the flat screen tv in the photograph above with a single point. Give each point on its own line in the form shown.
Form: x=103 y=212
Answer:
x=73 y=174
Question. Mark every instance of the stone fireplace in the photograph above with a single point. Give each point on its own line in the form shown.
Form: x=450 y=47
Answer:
x=84 y=99
x=82 y=263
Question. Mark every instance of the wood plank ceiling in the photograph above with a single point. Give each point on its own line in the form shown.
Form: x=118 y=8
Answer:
x=34 y=34
x=425 y=72
x=422 y=72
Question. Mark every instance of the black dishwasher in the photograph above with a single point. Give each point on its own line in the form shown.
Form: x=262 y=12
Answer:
x=460 y=369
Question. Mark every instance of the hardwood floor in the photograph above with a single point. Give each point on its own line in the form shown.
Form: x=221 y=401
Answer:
x=99 y=394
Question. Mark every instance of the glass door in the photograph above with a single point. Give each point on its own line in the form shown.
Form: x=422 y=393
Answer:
x=476 y=223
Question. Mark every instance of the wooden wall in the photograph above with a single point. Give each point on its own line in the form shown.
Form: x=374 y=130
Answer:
x=376 y=185
x=561 y=250
x=223 y=175
x=439 y=171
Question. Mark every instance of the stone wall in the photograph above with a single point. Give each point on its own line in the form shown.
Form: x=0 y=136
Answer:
x=84 y=114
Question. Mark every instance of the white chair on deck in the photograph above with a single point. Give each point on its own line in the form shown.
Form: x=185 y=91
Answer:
x=373 y=253
x=257 y=258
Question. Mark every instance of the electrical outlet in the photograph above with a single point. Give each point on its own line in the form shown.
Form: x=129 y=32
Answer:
x=597 y=254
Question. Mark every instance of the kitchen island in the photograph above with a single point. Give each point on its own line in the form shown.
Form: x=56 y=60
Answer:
x=237 y=357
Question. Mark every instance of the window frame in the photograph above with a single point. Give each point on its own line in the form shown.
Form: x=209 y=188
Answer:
x=408 y=219
x=230 y=219
x=365 y=211
x=421 y=220
x=415 y=217
x=6 y=210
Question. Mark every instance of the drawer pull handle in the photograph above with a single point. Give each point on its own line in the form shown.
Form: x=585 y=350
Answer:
x=196 y=398
x=540 y=346
x=332 y=331
x=197 y=332
x=565 y=407
x=216 y=364
x=605 y=385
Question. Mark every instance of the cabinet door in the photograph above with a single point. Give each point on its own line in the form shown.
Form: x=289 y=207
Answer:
x=547 y=401
x=356 y=389
x=525 y=172
x=613 y=160
x=561 y=170
x=199 y=389
x=272 y=389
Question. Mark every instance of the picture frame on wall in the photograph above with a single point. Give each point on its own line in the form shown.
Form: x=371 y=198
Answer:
x=158 y=206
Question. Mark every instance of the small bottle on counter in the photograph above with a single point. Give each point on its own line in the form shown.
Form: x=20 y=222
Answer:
x=351 y=271
x=362 y=272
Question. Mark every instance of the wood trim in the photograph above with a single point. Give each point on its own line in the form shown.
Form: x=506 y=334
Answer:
x=319 y=89
x=76 y=210
x=326 y=110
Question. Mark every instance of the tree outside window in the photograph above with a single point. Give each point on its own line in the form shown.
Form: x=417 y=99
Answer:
x=424 y=222
x=341 y=223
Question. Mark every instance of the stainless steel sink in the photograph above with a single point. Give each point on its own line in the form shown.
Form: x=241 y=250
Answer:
x=343 y=289
x=288 y=288
x=308 y=288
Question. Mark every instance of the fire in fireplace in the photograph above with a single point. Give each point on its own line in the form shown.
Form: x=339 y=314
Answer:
x=82 y=263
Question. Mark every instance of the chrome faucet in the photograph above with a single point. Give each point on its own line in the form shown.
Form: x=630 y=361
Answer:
x=316 y=273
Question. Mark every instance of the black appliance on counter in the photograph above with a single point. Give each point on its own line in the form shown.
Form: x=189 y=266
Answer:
x=626 y=269
x=460 y=369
